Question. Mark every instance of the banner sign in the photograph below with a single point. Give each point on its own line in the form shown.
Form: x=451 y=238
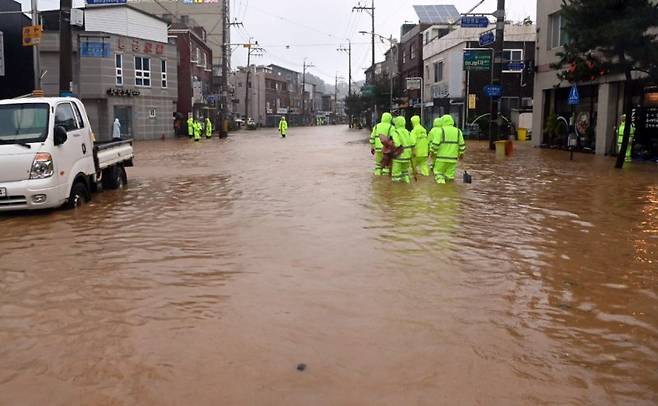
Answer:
x=95 y=50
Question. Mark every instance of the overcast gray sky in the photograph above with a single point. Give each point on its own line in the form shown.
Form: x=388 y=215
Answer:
x=314 y=28
x=292 y=30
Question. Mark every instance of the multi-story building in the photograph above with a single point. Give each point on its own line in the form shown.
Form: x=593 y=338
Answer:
x=601 y=100
x=451 y=90
x=410 y=54
x=194 y=72
x=270 y=94
x=213 y=16
x=123 y=67
x=277 y=97
x=256 y=90
x=294 y=80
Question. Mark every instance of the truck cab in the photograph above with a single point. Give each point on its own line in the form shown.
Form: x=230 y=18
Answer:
x=48 y=157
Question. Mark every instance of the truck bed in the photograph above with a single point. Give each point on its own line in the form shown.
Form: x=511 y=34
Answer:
x=113 y=152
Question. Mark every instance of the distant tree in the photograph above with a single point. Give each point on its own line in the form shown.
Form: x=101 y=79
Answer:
x=609 y=37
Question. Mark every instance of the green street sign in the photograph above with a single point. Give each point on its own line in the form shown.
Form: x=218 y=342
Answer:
x=368 y=90
x=477 y=59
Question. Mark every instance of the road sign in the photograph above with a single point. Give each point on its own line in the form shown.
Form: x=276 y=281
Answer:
x=95 y=50
x=475 y=22
x=515 y=66
x=477 y=59
x=487 y=38
x=493 y=91
x=368 y=91
x=472 y=101
x=414 y=83
x=574 y=96
x=32 y=35
x=2 y=54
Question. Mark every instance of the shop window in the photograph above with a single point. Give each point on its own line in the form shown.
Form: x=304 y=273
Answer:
x=118 y=63
x=142 y=72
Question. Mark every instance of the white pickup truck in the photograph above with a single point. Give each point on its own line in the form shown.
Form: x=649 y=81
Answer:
x=49 y=158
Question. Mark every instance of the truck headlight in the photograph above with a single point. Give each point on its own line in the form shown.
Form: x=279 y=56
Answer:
x=42 y=167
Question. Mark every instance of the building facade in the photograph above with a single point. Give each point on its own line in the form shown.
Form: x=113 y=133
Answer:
x=451 y=90
x=597 y=115
x=123 y=67
x=194 y=73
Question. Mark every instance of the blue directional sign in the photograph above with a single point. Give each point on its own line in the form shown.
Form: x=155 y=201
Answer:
x=95 y=50
x=487 y=38
x=515 y=66
x=475 y=22
x=493 y=91
x=574 y=96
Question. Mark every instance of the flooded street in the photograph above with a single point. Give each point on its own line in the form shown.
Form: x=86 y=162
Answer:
x=226 y=264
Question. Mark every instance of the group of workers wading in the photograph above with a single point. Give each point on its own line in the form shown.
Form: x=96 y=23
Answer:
x=195 y=128
x=399 y=152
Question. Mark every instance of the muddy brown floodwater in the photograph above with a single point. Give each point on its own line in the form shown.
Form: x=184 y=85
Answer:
x=226 y=264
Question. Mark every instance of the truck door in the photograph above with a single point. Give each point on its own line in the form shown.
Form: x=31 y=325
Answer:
x=69 y=156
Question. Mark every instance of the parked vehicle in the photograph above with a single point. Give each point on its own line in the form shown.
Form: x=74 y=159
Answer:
x=49 y=158
x=251 y=124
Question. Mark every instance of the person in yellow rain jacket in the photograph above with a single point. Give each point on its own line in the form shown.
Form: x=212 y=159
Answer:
x=436 y=130
x=283 y=127
x=620 y=138
x=419 y=137
x=208 y=128
x=402 y=163
x=448 y=147
x=197 y=131
x=190 y=126
x=385 y=127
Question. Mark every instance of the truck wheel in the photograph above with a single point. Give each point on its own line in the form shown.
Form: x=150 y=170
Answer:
x=79 y=196
x=114 y=177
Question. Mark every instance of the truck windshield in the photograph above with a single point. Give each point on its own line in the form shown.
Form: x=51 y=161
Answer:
x=23 y=123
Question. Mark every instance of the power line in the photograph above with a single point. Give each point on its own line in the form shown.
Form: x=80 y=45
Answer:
x=296 y=23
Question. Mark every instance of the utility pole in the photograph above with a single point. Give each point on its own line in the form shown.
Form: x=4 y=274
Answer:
x=336 y=94
x=36 y=56
x=65 y=48
x=349 y=53
x=252 y=48
x=309 y=65
x=226 y=69
x=370 y=10
x=497 y=71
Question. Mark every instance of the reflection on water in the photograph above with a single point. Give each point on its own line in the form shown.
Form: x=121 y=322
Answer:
x=225 y=264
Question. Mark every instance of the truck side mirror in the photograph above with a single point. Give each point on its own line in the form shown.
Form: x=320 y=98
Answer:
x=60 y=135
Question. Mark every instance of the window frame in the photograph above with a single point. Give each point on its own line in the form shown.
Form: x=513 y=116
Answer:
x=142 y=74
x=163 y=74
x=510 y=60
x=555 y=21
x=118 y=69
x=438 y=78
